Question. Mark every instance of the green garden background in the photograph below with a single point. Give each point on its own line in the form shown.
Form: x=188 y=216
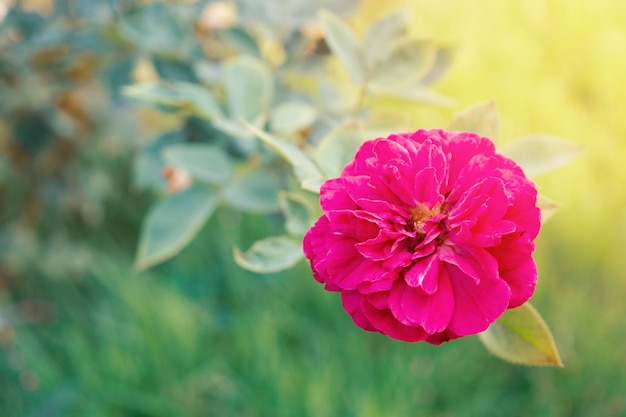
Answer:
x=83 y=335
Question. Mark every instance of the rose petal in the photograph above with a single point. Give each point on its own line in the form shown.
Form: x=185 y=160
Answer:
x=476 y=263
x=430 y=154
x=433 y=312
x=351 y=301
x=441 y=337
x=522 y=281
x=387 y=324
x=426 y=188
x=477 y=305
x=424 y=274
x=380 y=299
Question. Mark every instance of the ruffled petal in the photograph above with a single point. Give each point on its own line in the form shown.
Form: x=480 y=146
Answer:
x=386 y=323
x=334 y=196
x=474 y=262
x=354 y=271
x=512 y=251
x=351 y=301
x=430 y=154
x=477 y=217
x=441 y=337
x=461 y=148
x=432 y=312
x=477 y=305
x=426 y=188
x=424 y=274
x=522 y=281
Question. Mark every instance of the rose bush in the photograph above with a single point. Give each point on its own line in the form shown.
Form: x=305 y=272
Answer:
x=427 y=235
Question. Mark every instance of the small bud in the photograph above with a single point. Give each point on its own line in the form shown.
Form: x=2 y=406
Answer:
x=176 y=179
x=218 y=15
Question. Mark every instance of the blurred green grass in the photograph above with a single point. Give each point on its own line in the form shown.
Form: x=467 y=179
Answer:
x=198 y=336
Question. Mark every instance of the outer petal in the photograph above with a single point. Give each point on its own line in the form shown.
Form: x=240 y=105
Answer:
x=363 y=161
x=354 y=271
x=432 y=312
x=522 y=281
x=476 y=305
x=352 y=304
x=386 y=150
x=380 y=300
x=334 y=196
x=444 y=336
x=315 y=249
x=512 y=251
x=386 y=323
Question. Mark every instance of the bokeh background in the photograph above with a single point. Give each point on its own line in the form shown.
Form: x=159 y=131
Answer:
x=81 y=334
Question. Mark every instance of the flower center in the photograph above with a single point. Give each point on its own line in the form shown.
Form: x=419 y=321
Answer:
x=420 y=214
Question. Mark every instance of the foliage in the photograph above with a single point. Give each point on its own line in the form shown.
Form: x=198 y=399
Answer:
x=62 y=121
x=251 y=94
x=521 y=336
x=247 y=106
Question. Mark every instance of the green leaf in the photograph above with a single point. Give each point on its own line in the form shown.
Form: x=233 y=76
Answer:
x=480 y=118
x=172 y=223
x=330 y=98
x=233 y=128
x=539 y=154
x=156 y=28
x=257 y=191
x=203 y=162
x=406 y=64
x=297 y=212
x=240 y=40
x=292 y=116
x=270 y=255
x=338 y=148
x=438 y=67
x=547 y=206
x=207 y=72
x=179 y=95
x=521 y=336
x=171 y=68
x=387 y=30
x=343 y=43
x=306 y=171
x=415 y=93
x=249 y=87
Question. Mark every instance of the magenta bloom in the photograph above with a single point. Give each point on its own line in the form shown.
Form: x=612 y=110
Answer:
x=427 y=235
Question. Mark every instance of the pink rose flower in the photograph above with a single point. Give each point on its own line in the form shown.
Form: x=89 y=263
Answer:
x=427 y=235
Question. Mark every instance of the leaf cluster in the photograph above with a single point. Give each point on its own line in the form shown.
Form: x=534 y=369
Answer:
x=256 y=79
x=240 y=110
